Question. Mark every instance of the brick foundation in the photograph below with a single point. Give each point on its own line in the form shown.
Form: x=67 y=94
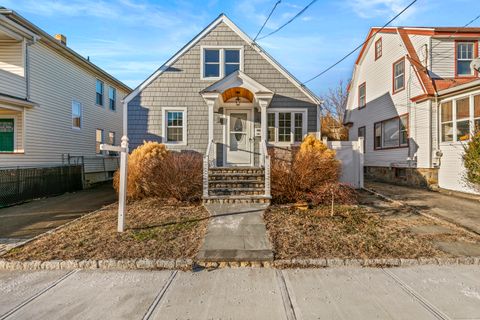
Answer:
x=416 y=177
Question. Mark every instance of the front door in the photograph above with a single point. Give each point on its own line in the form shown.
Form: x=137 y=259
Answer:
x=239 y=138
x=6 y=135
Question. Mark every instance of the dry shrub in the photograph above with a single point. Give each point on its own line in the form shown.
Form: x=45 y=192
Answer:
x=154 y=171
x=146 y=153
x=313 y=173
x=178 y=176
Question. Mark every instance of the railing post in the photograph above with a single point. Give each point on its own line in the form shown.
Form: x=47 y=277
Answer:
x=361 y=160
x=205 y=175
x=122 y=196
x=267 y=177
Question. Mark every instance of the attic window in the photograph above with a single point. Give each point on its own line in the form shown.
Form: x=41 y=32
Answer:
x=220 y=62
x=378 y=49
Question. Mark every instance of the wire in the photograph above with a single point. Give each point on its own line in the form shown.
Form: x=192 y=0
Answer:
x=289 y=21
x=268 y=18
x=361 y=45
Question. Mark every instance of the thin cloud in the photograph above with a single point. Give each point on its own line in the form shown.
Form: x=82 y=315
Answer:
x=368 y=9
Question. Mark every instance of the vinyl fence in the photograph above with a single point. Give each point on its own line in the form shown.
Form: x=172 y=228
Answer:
x=350 y=154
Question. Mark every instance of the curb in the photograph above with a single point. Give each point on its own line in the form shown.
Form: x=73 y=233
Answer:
x=189 y=264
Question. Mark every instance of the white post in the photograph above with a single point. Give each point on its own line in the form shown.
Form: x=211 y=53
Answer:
x=210 y=103
x=361 y=160
x=122 y=196
x=263 y=127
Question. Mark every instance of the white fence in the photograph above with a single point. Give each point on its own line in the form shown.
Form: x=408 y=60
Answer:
x=350 y=154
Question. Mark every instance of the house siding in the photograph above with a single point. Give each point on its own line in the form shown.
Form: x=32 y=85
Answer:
x=443 y=58
x=12 y=71
x=54 y=82
x=180 y=86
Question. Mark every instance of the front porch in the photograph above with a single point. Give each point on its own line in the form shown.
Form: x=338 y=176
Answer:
x=236 y=162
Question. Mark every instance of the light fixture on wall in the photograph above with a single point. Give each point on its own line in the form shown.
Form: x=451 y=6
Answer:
x=237 y=100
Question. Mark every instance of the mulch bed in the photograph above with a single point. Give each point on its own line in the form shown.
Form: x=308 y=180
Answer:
x=154 y=230
x=353 y=232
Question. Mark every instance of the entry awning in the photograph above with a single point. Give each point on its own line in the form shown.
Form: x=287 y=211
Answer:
x=15 y=103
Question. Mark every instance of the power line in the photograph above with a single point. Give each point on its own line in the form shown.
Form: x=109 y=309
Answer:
x=268 y=18
x=289 y=21
x=361 y=45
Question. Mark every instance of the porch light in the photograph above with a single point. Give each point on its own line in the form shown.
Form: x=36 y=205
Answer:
x=237 y=100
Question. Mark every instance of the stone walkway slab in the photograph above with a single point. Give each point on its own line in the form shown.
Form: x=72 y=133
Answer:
x=236 y=232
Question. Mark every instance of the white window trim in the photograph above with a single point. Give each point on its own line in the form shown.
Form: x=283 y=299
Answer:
x=471 y=118
x=115 y=99
x=276 y=111
x=102 y=152
x=222 y=60
x=81 y=115
x=15 y=133
x=164 y=126
x=103 y=93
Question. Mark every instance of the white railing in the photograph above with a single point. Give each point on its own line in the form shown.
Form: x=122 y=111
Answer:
x=266 y=166
x=208 y=161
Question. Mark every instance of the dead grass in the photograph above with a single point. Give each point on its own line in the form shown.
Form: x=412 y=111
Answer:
x=353 y=232
x=155 y=230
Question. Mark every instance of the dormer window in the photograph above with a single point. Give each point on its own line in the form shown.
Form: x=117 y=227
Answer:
x=220 y=62
x=464 y=56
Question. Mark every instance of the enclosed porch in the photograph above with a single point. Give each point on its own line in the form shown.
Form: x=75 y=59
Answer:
x=12 y=124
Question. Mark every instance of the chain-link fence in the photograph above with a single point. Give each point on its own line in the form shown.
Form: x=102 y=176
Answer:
x=22 y=184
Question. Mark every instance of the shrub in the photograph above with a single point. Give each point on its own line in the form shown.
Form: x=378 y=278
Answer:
x=154 y=171
x=471 y=159
x=311 y=177
x=148 y=152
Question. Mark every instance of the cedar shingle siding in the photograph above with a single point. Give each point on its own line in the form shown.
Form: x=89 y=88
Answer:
x=179 y=86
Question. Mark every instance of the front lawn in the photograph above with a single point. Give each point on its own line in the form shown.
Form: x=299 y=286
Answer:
x=357 y=233
x=155 y=230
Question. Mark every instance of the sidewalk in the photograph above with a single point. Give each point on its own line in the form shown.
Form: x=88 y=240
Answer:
x=461 y=211
x=428 y=292
x=25 y=221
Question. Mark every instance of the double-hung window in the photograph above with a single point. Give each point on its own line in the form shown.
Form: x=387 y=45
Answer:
x=457 y=120
x=362 y=95
x=76 y=115
x=464 y=56
x=99 y=139
x=391 y=133
x=99 y=93
x=378 y=49
x=112 y=98
x=399 y=75
x=286 y=127
x=175 y=130
x=220 y=62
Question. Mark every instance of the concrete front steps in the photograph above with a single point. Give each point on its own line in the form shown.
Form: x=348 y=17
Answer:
x=236 y=185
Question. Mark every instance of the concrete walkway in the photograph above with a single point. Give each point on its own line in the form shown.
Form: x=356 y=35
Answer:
x=457 y=210
x=236 y=232
x=427 y=292
x=25 y=221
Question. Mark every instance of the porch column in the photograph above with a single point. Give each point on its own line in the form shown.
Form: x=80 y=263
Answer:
x=263 y=126
x=210 y=105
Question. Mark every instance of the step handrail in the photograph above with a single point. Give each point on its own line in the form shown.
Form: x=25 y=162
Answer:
x=206 y=167
x=266 y=164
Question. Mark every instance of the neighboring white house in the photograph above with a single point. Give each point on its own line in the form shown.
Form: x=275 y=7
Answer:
x=415 y=99
x=54 y=102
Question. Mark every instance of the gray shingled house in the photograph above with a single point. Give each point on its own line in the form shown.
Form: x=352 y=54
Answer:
x=223 y=96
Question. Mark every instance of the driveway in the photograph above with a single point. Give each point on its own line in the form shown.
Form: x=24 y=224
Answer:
x=25 y=221
x=464 y=212
x=422 y=292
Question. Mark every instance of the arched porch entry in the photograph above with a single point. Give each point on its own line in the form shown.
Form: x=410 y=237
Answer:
x=237 y=121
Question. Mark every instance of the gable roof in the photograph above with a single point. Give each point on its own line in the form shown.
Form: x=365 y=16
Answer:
x=37 y=34
x=222 y=18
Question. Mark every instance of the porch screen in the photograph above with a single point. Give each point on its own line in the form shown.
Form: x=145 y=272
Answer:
x=6 y=135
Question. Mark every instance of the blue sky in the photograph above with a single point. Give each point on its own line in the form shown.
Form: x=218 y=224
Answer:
x=132 y=38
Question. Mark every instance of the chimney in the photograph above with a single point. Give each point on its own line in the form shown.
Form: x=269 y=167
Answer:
x=61 y=38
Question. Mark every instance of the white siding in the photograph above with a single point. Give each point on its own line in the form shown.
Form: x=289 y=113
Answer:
x=12 y=72
x=443 y=58
x=382 y=104
x=55 y=82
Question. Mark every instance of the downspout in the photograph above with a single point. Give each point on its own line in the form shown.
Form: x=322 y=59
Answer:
x=27 y=71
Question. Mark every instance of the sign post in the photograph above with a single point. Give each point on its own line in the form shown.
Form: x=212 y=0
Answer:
x=122 y=194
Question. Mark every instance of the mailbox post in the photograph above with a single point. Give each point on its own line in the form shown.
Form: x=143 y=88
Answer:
x=122 y=194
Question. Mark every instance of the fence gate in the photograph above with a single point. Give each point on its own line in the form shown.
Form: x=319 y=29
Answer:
x=350 y=154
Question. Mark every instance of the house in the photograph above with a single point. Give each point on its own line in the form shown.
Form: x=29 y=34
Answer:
x=415 y=99
x=56 y=106
x=223 y=96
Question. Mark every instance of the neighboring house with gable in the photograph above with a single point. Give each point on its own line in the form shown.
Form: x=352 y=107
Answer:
x=223 y=96
x=416 y=100
x=54 y=102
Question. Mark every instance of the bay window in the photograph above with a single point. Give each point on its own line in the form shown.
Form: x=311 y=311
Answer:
x=391 y=133
x=459 y=118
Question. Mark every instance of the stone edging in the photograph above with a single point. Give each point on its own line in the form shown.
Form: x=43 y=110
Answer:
x=188 y=264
